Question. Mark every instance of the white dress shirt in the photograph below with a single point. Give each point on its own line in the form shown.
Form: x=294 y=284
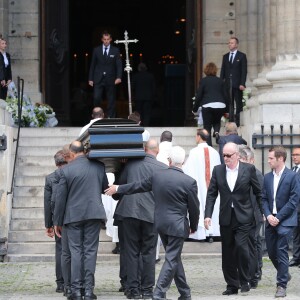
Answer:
x=275 y=186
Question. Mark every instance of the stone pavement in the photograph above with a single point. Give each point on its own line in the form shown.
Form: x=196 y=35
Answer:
x=30 y=281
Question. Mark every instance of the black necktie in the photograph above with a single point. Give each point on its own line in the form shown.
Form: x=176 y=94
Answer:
x=231 y=58
x=105 y=52
x=295 y=169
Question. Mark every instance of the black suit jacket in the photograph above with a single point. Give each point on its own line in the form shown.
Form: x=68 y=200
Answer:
x=111 y=66
x=79 y=190
x=6 y=70
x=48 y=208
x=238 y=69
x=240 y=196
x=211 y=89
x=175 y=195
x=258 y=216
x=141 y=205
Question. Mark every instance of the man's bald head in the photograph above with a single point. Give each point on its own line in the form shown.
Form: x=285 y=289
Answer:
x=97 y=113
x=76 y=147
x=151 y=147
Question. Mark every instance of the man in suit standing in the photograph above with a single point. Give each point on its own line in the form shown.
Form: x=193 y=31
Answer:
x=79 y=208
x=295 y=261
x=49 y=202
x=140 y=237
x=280 y=200
x=105 y=72
x=175 y=196
x=6 y=66
x=234 y=72
x=234 y=181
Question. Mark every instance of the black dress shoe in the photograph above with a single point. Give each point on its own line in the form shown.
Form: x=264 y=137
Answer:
x=230 y=292
x=133 y=295
x=89 y=296
x=185 y=297
x=245 y=288
x=76 y=297
x=122 y=289
x=147 y=295
x=117 y=249
x=294 y=263
x=68 y=293
x=60 y=288
x=253 y=284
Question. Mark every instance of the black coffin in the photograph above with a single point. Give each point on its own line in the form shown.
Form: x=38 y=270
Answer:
x=109 y=140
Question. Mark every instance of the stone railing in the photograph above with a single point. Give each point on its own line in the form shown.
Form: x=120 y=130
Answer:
x=6 y=166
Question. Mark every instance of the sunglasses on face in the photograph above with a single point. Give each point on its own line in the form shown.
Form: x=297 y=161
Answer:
x=228 y=155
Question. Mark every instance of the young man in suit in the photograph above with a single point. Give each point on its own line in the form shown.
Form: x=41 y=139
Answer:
x=280 y=200
x=175 y=196
x=105 y=73
x=6 y=67
x=80 y=209
x=234 y=181
x=234 y=73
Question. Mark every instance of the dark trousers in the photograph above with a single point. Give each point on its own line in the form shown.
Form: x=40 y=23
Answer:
x=144 y=107
x=122 y=273
x=66 y=259
x=255 y=254
x=212 y=119
x=237 y=103
x=277 y=240
x=110 y=91
x=83 y=240
x=172 y=268
x=296 y=241
x=58 y=265
x=3 y=92
x=235 y=252
x=140 y=240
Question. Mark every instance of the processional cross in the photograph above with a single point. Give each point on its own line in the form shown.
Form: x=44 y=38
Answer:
x=128 y=69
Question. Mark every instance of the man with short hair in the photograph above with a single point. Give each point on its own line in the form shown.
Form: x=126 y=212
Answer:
x=175 y=198
x=79 y=208
x=199 y=165
x=105 y=73
x=234 y=73
x=280 y=201
x=49 y=203
x=255 y=247
x=97 y=114
x=231 y=135
x=165 y=147
x=295 y=261
x=234 y=181
x=137 y=211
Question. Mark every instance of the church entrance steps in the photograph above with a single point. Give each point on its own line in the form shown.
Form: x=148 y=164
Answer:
x=27 y=240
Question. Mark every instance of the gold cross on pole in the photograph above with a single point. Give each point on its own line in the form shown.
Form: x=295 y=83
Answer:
x=128 y=69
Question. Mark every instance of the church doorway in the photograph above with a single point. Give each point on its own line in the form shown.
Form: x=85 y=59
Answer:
x=160 y=27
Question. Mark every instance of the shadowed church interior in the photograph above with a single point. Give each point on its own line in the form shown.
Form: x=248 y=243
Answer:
x=159 y=27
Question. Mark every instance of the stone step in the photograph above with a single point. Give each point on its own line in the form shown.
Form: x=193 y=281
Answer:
x=27 y=191
x=50 y=132
x=23 y=225
x=38 y=151
x=106 y=247
x=45 y=142
x=40 y=236
x=36 y=160
x=26 y=202
x=35 y=170
x=30 y=181
x=27 y=213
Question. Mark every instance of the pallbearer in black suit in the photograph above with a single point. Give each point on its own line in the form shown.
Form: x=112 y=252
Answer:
x=280 y=200
x=175 y=197
x=80 y=209
x=49 y=202
x=105 y=73
x=234 y=72
x=234 y=181
x=140 y=237
x=6 y=63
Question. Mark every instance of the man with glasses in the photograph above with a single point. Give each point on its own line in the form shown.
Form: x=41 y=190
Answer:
x=233 y=181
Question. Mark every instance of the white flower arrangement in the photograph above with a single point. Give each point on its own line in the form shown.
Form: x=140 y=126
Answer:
x=37 y=115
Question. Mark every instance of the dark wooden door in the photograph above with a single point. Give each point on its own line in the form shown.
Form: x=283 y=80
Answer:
x=55 y=57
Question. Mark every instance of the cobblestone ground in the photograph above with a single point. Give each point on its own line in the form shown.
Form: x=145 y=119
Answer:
x=30 y=281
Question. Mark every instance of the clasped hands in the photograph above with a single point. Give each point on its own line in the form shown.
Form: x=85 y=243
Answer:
x=111 y=190
x=273 y=221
